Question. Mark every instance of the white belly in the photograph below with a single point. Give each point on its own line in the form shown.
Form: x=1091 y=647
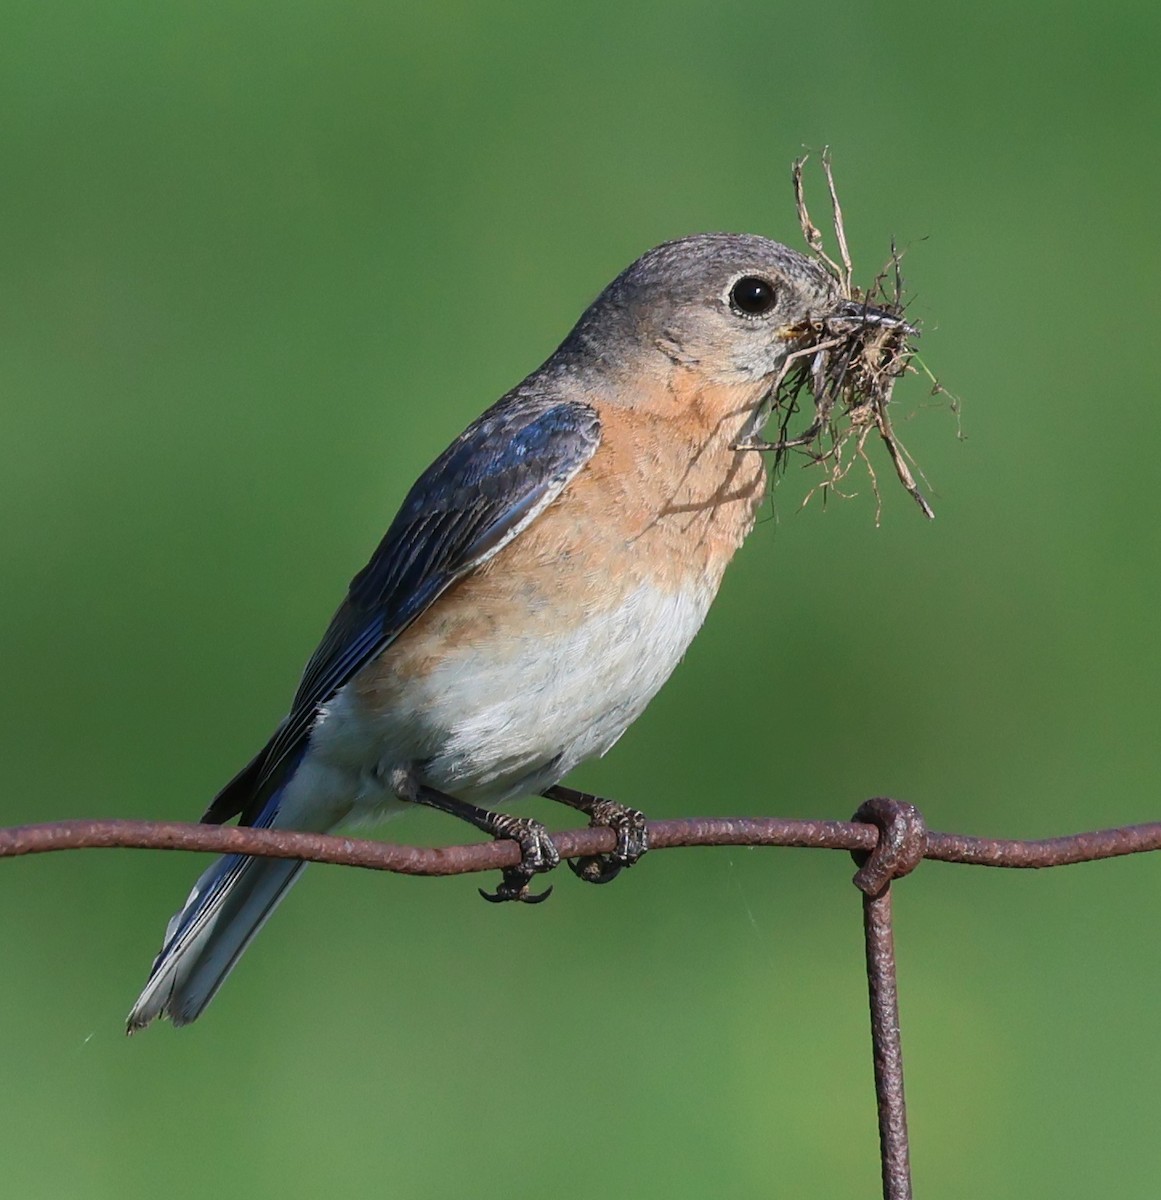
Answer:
x=508 y=717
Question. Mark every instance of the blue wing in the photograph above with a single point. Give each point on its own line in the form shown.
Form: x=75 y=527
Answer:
x=488 y=486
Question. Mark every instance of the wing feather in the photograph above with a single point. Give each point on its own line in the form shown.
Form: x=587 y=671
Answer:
x=484 y=490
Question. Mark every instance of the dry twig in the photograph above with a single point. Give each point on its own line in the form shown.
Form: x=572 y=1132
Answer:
x=848 y=366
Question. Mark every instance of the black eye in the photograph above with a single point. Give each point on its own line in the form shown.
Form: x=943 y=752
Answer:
x=752 y=295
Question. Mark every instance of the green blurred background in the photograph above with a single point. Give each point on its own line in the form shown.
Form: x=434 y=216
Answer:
x=260 y=262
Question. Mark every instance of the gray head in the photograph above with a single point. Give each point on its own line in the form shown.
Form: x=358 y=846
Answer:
x=728 y=305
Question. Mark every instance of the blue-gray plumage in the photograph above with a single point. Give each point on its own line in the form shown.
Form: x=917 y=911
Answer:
x=478 y=495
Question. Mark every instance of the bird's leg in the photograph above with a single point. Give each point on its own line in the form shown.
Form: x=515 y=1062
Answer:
x=627 y=823
x=537 y=853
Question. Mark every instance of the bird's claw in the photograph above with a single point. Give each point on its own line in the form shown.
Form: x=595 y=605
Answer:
x=632 y=842
x=537 y=854
x=515 y=889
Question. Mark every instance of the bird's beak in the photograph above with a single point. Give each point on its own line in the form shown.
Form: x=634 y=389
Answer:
x=853 y=315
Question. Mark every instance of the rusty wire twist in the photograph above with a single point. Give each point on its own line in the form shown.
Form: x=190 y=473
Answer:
x=899 y=849
x=888 y=839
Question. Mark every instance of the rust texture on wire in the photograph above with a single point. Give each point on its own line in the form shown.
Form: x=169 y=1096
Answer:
x=887 y=838
x=663 y=835
x=902 y=839
x=887 y=1045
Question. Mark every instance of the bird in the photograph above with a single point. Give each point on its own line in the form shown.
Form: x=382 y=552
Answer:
x=537 y=587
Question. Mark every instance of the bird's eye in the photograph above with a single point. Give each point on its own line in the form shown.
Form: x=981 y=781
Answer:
x=752 y=295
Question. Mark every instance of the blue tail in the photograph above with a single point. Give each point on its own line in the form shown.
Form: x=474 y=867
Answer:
x=203 y=941
x=226 y=908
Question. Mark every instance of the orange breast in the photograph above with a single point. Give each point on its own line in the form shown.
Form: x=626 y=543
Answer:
x=664 y=502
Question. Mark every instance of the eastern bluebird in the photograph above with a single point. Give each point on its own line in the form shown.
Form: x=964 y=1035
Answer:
x=539 y=584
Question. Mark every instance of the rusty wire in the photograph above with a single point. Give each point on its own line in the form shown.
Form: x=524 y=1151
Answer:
x=887 y=838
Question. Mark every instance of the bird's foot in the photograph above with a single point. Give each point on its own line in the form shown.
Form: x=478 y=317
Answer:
x=632 y=842
x=627 y=823
x=537 y=854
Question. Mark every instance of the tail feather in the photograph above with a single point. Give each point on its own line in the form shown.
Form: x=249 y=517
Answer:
x=232 y=900
x=227 y=907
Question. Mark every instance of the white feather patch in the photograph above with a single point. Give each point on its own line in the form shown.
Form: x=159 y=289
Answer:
x=508 y=717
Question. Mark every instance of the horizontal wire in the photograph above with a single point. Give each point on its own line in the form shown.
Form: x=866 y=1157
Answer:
x=572 y=843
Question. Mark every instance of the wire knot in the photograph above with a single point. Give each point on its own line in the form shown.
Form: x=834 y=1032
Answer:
x=900 y=848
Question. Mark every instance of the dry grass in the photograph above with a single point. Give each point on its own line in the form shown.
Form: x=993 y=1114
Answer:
x=847 y=367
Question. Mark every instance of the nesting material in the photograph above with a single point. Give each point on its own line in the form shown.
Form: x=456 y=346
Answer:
x=846 y=368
